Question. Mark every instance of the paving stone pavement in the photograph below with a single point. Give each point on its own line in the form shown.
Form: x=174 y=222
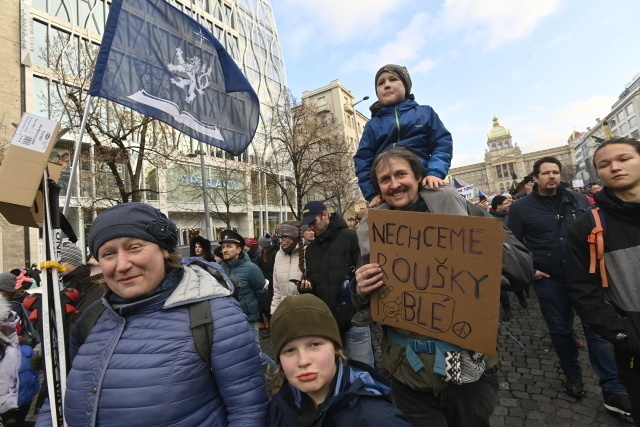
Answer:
x=531 y=383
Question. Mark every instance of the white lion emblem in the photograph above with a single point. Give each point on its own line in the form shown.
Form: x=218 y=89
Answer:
x=198 y=76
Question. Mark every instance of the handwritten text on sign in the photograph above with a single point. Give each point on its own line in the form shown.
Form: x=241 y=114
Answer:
x=441 y=274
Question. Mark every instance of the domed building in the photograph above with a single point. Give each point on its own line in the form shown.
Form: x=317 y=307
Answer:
x=504 y=164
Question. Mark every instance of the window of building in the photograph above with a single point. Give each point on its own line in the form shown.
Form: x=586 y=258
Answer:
x=621 y=116
x=321 y=100
x=629 y=109
x=635 y=134
x=624 y=127
x=632 y=121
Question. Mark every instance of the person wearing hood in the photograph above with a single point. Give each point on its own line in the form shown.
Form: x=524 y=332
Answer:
x=319 y=385
x=140 y=364
x=331 y=260
x=200 y=247
x=288 y=268
x=397 y=119
x=606 y=299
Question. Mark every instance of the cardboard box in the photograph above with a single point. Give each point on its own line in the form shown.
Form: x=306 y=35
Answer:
x=22 y=169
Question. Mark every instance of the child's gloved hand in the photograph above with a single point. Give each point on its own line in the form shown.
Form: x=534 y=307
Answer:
x=432 y=182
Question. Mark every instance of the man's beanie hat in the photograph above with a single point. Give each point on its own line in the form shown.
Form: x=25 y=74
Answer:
x=72 y=254
x=230 y=236
x=399 y=71
x=310 y=211
x=251 y=242
x=137 y=220
x=7 y=282
x=302 y=316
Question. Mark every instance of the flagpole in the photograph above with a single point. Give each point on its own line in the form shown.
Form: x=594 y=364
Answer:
x=76 y=155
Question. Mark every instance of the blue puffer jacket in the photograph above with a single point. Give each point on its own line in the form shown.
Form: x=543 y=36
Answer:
x=139 y=365
x=534 y=221
x=362 y=397
x=250 y=280
x=410 y=125
x=29 y=379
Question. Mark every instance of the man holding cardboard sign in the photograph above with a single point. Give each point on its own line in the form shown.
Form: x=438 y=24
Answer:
x=434 y=282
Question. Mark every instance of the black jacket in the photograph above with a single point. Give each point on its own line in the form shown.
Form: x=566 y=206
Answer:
x=613 y=312
x=535 y=222
x=329 y=258
x=206 y=247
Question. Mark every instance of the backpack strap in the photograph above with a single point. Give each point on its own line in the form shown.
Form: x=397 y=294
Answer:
x=596 y=247
x=199 y=317
x=89 y=320
x=202 y=328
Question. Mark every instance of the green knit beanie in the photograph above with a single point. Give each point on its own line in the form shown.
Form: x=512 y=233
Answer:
x=399 y=71
x=302 y=316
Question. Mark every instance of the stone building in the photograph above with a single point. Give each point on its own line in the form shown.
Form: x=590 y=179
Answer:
x=339 y=103
x=505 y=165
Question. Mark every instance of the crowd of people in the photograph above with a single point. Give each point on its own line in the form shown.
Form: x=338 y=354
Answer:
x=163 y=340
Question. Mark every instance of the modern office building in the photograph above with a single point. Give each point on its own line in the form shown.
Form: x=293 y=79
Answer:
x=31 y=33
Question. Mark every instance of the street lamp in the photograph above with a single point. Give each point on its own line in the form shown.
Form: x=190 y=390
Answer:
x=363 y=99
x=207 y=220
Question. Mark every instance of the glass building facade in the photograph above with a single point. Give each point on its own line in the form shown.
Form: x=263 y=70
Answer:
x=171 y=167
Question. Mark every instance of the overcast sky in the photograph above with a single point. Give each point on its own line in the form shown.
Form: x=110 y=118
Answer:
x=544 y=67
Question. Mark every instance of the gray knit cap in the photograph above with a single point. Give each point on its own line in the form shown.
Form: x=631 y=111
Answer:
x=286 y=230
x=7 y=282
x=72 y=254
x=134 y=219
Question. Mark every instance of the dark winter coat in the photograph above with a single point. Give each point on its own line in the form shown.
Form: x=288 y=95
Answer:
x=206 y=247
x=535 y=222
x=613 y=312
x=250 y=281
x=329 y=258
x=362 y=397
x=139 y=365
x=410 y=125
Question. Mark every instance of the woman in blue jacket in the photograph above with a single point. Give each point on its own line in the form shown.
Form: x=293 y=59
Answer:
x=322 y=388
x=139 y=365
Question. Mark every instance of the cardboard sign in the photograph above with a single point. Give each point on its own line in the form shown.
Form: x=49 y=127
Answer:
x=441 y=274
x=22 y=168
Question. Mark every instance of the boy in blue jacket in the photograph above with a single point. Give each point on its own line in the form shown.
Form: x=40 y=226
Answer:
x=396 y=118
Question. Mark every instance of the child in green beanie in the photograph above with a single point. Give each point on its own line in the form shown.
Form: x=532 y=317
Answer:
x=321 y=387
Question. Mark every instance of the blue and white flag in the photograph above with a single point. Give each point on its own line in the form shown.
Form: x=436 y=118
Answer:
x=162 y=63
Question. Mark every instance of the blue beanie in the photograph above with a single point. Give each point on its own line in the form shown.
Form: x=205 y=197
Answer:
x=137 y=220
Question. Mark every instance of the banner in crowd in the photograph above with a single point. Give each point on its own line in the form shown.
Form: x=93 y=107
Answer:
x=162 y=63
x=441 y=275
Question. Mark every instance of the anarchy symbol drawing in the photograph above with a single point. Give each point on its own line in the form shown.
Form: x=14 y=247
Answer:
x=462 y=329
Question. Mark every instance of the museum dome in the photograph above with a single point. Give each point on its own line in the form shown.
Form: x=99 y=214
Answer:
x=497 y=131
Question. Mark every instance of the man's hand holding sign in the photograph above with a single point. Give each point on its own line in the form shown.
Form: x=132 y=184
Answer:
x=436 y=275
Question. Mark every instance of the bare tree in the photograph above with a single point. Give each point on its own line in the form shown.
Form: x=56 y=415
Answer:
x=123 y=139
x=306 y=149
x=341 y=186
